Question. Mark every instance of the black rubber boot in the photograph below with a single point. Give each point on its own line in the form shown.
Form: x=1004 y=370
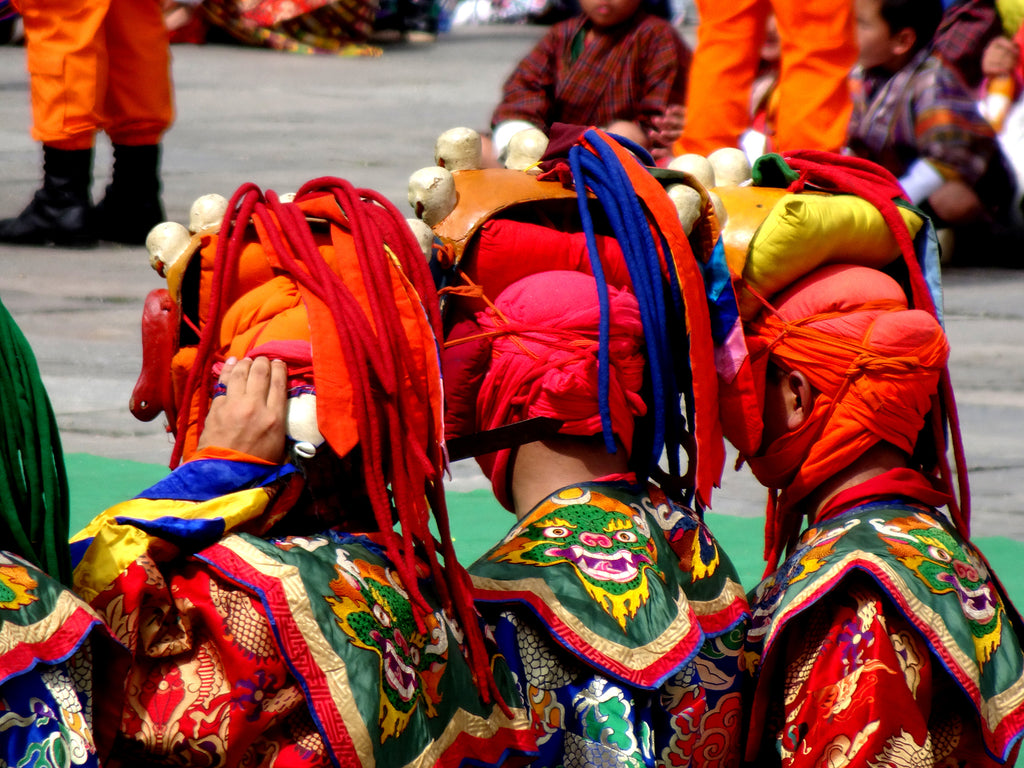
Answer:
x=60 y=212
x=131 y=206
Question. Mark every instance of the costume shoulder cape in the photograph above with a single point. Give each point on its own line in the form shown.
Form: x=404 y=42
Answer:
x=938 y=581
x=41 y=620
x=629 y=582
x=381 y=690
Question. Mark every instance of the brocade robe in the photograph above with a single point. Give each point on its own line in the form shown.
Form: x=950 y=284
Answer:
x=47 y=638
x=623 y=624
x=253 y=648
x=885 y=640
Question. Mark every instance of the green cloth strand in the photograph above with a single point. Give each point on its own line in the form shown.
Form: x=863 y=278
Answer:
x=33 y=480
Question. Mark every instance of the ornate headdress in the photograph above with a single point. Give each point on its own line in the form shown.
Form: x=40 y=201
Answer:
x=335 y=284
x=595 y=209
x=817 y=209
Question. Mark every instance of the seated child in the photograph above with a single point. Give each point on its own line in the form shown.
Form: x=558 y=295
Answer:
x=614 y=66
x=914 y=116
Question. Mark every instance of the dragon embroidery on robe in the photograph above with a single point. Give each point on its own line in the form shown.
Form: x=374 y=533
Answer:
x=607 y=543
x=372 y=608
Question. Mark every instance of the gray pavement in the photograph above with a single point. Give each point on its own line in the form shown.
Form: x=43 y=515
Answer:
x=279 y=120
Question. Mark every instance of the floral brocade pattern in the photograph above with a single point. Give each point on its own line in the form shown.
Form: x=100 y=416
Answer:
x=46 y=718
x=207 y=686
x=861 y=690
x=300 y=651
x=582 y=718
x=46 y=671
x=281 y=652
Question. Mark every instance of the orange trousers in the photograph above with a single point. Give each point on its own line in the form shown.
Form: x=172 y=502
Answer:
x=97 y=65
x=819 y=48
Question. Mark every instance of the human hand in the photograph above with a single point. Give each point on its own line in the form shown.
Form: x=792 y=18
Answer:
x=251 y=416
x=668 y=127
x=1000 y=57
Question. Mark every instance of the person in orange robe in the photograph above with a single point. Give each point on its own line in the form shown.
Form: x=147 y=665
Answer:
x=819 y=49
x=95 y=65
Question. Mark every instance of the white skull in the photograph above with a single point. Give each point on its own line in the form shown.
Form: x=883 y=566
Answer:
x=525 y=149
x=167 y=242
x=302 y=423
x=697 y=166
x=720 y=213
x=207 y=213
x=687 y=202
x=424 y=236
x=432 y=194
x=459 y=149
x=731 y=165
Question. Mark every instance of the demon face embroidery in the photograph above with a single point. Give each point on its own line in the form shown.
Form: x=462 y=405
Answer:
x=607 y=543
x=372 y=608
x=946 y=567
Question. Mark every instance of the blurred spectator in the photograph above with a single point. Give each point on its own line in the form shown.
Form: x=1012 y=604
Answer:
x=1001 y=103
x=967 y=26
x=95 y=66
x=1002 y=57
x=914 y=116
x=472 y=12
x=1003 y=69
x=338 y=27
x=614 y=65
x=10 y=26
x=186 y=23
x=415 y=21
x=545 y=12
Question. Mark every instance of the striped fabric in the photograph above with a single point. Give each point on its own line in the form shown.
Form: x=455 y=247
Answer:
x=922 y=111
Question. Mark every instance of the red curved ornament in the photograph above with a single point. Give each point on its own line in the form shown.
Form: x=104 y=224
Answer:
x=153 y=393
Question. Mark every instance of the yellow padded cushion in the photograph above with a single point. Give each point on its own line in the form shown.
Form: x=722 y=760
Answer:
x=803 y=232
x=1011 y=12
